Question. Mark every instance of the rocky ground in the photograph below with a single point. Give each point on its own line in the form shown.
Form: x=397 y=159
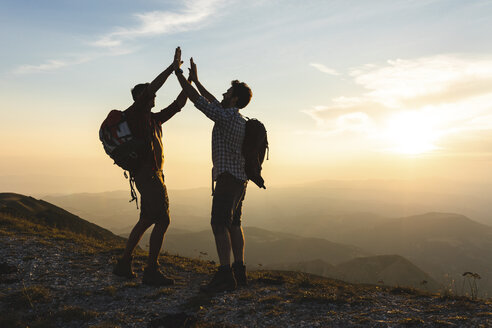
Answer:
x=53 y=279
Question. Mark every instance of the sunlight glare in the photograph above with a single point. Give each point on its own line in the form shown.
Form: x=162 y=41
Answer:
x=410 y=133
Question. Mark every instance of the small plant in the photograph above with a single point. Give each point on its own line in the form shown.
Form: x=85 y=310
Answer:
x=470 y=279
x=27 y=297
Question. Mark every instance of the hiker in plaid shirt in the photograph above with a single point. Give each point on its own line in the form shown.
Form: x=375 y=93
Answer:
x=228 y=173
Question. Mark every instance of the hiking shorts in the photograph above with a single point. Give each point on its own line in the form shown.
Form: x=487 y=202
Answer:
x=153 y=197
x=228 y=200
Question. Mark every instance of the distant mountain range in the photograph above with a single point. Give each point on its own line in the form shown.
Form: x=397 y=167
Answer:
x=391 y=270
x=445 y=245
x=282 y=251
x=55 y=271
x=263 y=247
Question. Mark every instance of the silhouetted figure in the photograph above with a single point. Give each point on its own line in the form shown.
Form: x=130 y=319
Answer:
x=228 y=172
x=149 y=177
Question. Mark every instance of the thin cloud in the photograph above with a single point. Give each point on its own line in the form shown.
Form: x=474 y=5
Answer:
x=326 y=116
x=118 y=42
x=402 y=80
x=322 y=68
x=48 y=66
x=154 y=23
x=452 y=94
x=51 y=65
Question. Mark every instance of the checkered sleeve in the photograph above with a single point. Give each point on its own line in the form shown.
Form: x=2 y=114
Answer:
x=213 y=110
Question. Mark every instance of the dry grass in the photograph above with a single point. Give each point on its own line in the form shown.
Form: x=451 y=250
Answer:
x=74 y=313
x=27 y=297
x=20 y=227
x=105 y=325
x=19 y=318
x=160 y=293
x=417 y=322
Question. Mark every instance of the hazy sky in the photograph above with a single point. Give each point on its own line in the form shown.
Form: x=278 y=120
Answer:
x=346 y=89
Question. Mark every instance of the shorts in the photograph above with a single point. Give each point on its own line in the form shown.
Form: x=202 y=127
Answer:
x=228 y=200
x=153 y=197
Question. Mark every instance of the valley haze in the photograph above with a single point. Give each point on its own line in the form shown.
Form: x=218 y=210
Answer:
x=436 y=229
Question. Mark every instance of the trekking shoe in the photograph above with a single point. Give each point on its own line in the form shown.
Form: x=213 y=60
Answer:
x=154 y=277
x=240 y=274
x=123 y=268
x=223 y=280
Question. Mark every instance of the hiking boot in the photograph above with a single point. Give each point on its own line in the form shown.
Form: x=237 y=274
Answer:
x=223 y=280
x=123 y=268
x=239 y=270
x=154 y=277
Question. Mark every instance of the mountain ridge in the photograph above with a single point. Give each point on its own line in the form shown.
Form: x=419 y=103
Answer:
x=444 y=257
x=389 y=270
x=48 y=281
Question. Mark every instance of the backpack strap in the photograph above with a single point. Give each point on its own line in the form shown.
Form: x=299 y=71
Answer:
x=133 y=193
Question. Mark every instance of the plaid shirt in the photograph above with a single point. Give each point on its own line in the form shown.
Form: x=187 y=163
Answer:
x=227 y=138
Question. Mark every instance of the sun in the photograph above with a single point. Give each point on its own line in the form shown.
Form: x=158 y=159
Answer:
x=410 y=133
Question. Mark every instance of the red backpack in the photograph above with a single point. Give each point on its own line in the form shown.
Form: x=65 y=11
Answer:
x=121 y=145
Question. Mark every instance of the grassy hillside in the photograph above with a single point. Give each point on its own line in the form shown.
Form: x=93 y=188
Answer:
x=54 y=277
x=445 y=245
x=50 y=216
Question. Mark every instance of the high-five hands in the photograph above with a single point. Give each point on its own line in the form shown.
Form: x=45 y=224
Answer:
x=192 y=71
x=177 y=64
x=177 y=58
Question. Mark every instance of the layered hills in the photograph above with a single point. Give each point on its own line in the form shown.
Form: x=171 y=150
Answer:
x=282 y=251
x=56 y=272
x=392 y=270
x=357 y=214
x=265 y=247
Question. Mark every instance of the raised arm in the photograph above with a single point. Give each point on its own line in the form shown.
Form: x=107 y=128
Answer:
x=158 y=82
x=212 y=109
x=201 y=88
x=189 y=90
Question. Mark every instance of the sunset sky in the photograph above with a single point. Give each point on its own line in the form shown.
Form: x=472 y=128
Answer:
x=347 y=89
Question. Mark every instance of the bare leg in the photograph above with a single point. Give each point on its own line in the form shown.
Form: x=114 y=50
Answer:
x=223 y=243
x=237 y=242
x=134 y=238
x=156 y=239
